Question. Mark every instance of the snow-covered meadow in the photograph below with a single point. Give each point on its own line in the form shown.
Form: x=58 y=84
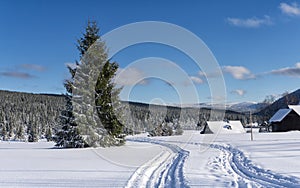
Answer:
x=190 y=160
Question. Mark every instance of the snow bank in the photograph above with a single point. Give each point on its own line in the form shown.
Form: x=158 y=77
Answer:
x=39 y=165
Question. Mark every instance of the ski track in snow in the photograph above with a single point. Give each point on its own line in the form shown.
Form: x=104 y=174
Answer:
x=165 y=170
x=234 y=164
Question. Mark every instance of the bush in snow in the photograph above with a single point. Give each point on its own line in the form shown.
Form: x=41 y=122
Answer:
x=162 y=130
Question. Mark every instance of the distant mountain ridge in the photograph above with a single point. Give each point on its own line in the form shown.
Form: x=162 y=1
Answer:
x=247 y=107
x=242 y=107
x=283 y=102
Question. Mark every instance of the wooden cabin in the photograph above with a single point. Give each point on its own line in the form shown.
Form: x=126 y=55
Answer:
x=286 y=119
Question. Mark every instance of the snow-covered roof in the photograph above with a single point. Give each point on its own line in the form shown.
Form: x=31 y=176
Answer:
x=237 y=125
x=225 y=127
x=279 y=115
x=296 y=108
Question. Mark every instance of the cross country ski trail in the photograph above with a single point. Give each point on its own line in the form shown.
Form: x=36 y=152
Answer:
x=233 y=164
x=164 y=170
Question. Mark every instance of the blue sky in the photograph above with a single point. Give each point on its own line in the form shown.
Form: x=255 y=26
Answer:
x=256 y=44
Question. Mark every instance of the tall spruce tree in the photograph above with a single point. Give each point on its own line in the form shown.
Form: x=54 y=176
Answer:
x=4 y=132
x=32 y=133
x=107 y=100
x=68 y=135
x=106 y=94
x=48 y=134
x=90 y=36
x=90 y=89
x=20 y=133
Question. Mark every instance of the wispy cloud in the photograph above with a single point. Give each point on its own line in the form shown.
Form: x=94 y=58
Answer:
x=20 y=71
x=288 y=71
x=196 y=80
x=290 y=9
x=239 y=72
x=21 y=75
x=33 y=67
x=250 y=22
x=239 y=92
x=130 y=76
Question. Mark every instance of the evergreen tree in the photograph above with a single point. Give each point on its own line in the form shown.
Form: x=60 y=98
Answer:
x=162 y=130
x=4 y=132
x=32 y=133
x=10 y=127
x=90 y=36
x=68 y=136
x=20 y=134
x=107 y=99
x=48 y=134
x=86 y=89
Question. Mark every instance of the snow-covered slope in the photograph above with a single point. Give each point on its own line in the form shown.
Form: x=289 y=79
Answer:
x=189 y=160
x=243 y=106
x=39 y=165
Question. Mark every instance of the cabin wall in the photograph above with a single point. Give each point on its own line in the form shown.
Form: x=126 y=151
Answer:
x=289 y=123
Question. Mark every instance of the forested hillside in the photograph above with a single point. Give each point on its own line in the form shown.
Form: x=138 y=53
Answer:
x=283 y=102
x=25 y=116
x=28 y=117
x=144 y=117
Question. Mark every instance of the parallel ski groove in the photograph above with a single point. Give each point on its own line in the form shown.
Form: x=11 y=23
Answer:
x=169 y=173
x=237 y=165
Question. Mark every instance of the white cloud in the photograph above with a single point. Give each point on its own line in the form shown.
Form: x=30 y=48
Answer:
x=202 y=74
x=129 y=76
x=196 y=80
x=34 y=67
x=239 y=92
x=290 y=9
x=238 y=72
x=250 y=22
x=288 y=71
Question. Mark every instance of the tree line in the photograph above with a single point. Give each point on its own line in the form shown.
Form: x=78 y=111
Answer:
x=28 y=117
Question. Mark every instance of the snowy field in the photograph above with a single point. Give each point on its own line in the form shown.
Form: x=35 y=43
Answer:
x=190 y=160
